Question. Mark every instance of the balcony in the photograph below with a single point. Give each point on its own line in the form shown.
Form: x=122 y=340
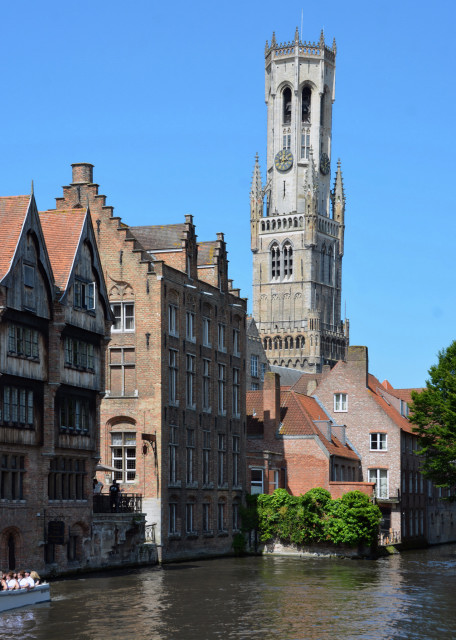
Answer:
x=126 y=503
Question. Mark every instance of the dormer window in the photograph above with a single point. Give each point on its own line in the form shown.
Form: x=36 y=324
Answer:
x=84 y=295
x=29 y=276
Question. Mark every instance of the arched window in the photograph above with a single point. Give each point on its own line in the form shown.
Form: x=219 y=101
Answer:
x=275 y=262
x=287 y=260
x=291 y=343
x=322 y=263
x=330 y=265
x=306 y=97
x=286 y=105
x=265 y=343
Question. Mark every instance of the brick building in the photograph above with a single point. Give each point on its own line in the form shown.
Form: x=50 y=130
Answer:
x=376 y=419
x=173 y=418
x=54 y=323
x=292 y=443
x=257 y=362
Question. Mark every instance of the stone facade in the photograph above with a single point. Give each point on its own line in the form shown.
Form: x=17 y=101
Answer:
x=54 y=323
x=173 y=418
x=297 y=235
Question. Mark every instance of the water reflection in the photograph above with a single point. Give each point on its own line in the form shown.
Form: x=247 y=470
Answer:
x=407 y=596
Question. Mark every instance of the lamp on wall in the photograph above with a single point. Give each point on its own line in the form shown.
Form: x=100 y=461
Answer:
x=149 y=439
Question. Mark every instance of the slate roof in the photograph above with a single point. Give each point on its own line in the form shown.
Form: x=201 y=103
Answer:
x=62 y=232
x=297 y=415
x=13 y=210
x=206 y=252
x=162 y=236
x=288 y=377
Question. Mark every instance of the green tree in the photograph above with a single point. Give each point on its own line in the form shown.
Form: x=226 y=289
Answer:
x=433 y=412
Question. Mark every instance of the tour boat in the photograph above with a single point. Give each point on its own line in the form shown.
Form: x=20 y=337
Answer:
x=24 y=597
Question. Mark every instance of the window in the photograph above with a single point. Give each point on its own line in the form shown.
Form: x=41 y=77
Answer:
x=221 y=516
x=256 y=481
x=221 y=337
x=124 y=316
x=189 y=517
x=275 y=479
x=206 y=518
x=380 y=477
x=173 y=444
x=340 y=402
x=236 y=454
x=378 y=442
x=206 y=456
x=190 y=381
x=29 y=275
x=123 y=452
x=286 y=140
x=172 y=524
x=22 y=341
x=306 y=97
x=190 y=455
x=305 y=144
x=18 y=407
x=236 y=342
x=254 y=366
x=12 y=470
x=79 y=354
x=122 y=370
x=207 y=332
x=190 y=326
x=74 y=415
x=67 y=479
x=173 y=377
x=275 y=262
x=221 y=460
x=287 y=260
x=172 y=320
x=254 y=386
x=221 y=389
x=286 y=105
x=206 y=385
x=263 y=370
x=236 y=393
x=84 y=295
x=236 y=519
x=404 y=409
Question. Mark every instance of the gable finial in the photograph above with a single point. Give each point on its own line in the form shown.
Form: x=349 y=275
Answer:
x=273 y=41
x=322 y=38
x=297 y=35
x=334 y=46
x=32 y=192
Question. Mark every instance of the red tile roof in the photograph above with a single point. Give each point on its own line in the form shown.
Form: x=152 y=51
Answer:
x=62 y=232
x=13 y=210
x=374 y=386
x=298 y=414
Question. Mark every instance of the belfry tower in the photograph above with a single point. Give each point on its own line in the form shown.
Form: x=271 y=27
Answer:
x=296 y=220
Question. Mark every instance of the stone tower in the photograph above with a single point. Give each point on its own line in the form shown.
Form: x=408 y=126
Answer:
x=296 y=220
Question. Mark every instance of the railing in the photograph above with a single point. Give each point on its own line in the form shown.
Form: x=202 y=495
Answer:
x=389 y=537
x=125 y=503
x=149 y=534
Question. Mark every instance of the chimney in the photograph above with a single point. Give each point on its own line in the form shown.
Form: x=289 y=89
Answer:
x=271 y=397
x=82 y=173
x=358 y=361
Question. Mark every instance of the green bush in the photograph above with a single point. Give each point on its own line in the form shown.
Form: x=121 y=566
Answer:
x=315 y=517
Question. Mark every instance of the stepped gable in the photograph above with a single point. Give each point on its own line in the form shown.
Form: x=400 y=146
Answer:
x=207 y=252
x=375 y=387
x=160 y=237
x=13 y=210
x=62 y=232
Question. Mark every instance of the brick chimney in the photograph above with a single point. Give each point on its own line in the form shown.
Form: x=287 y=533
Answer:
x=271 y=397
x=358 y=361
x=82 y=173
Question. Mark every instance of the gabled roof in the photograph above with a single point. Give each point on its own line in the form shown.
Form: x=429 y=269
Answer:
x=62 y=233
x=375 y=388
x=206 y=252
x=298 y=414
x=163 y=236
x=288 y=377
x=13 y=210
x=301 y=384
x=401 y=394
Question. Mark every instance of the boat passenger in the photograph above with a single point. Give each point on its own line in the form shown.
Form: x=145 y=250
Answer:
x=25 y=581
x=11 y=581
x=35 y=577
x=3 y=585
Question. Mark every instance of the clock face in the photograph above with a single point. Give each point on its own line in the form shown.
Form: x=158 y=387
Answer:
x=283 y=160
x=324 y=164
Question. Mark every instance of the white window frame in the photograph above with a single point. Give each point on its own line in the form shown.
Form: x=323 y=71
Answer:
x=254 y=359
x=190 y=326
x=381 y=479
x=124 y=319
x=173 y=328
x=126 y=473
x=256 y=486
x=341 y=402
x=206 y=332
x=378 y=441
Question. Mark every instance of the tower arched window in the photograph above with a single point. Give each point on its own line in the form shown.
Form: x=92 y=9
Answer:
x=322 y=263
x=305 y=143
x=265 y=344
x=275 y=262
x=286 y=105
x=330 y=265
x=306 y=97
x=287 y=260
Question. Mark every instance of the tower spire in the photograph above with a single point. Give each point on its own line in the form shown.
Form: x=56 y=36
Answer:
x=256 y=203
x=338 y=204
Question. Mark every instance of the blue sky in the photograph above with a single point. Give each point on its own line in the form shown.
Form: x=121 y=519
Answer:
x=167 y=101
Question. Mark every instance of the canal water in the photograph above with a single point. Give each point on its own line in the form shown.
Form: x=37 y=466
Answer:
x=411 y=595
